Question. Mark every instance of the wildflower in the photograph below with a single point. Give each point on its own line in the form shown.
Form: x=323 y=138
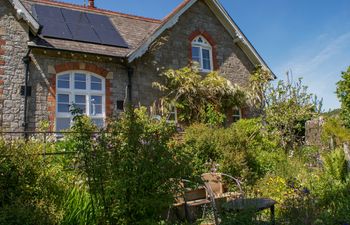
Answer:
x=305 y=191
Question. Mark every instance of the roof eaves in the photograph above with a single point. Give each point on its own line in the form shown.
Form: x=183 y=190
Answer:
x=23 y=13
x=107 y=54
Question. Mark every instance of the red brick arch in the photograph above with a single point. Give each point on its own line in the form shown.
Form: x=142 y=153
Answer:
x=81 y=66
x=211 y=41
x=89 y=67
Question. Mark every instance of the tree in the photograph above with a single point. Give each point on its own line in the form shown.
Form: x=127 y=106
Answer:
x=285 y=106
x=343 y=93
x=288 y=107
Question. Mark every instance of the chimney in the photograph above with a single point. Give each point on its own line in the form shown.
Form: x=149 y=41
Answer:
x=91 y=4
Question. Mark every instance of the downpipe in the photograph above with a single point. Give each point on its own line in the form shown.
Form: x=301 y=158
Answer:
x=26 y=60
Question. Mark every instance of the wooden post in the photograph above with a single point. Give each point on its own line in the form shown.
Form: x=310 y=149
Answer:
x=332 y=143
x=347 y=154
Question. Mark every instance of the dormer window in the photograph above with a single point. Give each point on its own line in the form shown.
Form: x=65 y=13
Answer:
x=202 y=53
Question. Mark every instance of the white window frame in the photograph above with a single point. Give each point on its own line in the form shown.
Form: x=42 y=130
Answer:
x=236 y=116
x=88 y=92
x=204 y=45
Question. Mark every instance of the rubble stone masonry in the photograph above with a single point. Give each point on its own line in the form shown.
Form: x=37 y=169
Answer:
x=13 y=47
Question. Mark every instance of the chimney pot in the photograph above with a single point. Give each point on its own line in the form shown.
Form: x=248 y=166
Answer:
x=92 y=4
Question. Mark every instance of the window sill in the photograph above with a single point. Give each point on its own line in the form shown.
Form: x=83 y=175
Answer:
x=205 y=72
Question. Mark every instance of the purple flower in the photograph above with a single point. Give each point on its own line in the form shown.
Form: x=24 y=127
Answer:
x=305 y=191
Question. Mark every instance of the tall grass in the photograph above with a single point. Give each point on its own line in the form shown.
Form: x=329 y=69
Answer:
x=78 y=208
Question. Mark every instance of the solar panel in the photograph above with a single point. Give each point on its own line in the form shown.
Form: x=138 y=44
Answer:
x=99 y=20
x=83 y=32
x=44 y=13
x=106 y=31
x=71 y=16
x=110 y=37
x=77 y=25
x=56 y=29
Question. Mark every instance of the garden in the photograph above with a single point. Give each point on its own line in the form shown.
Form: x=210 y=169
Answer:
x=132 y=170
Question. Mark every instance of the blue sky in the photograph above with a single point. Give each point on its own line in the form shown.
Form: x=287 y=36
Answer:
x=309 y=37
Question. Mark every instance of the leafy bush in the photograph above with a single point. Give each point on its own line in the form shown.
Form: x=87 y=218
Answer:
x=334 y=129
x=29 y=193
x=78 y=208
x=335 y=165
x=131 y=171
x=334 y=201
x=237 y=149
x=343 y=93
x=288 y=107
x=308 y=195
x=285 y=107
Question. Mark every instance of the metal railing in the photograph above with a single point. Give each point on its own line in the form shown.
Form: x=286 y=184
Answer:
x=46 y=137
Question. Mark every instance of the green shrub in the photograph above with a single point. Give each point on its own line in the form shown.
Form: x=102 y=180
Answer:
x=29 y=193
x=201 y=144
x=78 y=208
x=343 y=92
x=130 y=169
x=335 y=165
x=334 y=201
x=333 y=128
x=237 y=149
x=285 y=106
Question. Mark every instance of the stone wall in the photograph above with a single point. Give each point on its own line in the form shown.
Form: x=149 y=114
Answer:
x=313 y=132
x=173 y=50
x=13 y=47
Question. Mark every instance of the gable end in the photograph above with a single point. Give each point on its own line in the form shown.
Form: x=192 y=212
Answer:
x=237 y=35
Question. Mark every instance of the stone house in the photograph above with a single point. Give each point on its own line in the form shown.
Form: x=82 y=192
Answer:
x=54 y=53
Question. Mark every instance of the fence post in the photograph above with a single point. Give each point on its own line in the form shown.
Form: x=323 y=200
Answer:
x=331 y=143
x=44 y=144
x=347 y=154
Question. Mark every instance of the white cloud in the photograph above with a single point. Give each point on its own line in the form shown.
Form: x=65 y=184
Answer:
x=320 y=63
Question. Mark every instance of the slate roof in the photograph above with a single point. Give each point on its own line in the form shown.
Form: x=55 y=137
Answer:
x=139 y=32
x=134 y=30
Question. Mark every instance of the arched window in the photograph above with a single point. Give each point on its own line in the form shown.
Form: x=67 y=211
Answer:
x=83 y=89
x=202 y=53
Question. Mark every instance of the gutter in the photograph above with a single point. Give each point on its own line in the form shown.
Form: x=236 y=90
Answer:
x=32 y=45
x=26 y=60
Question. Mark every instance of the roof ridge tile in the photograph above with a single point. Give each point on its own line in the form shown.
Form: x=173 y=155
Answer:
x=106 y=11
x=174 y=11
